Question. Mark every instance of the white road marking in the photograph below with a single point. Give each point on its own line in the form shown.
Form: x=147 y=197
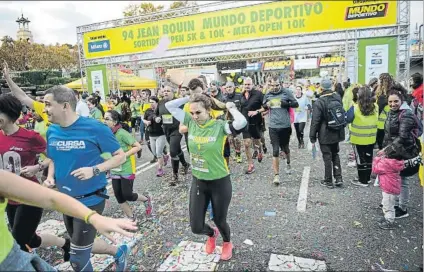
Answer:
x=303 y=191
x=184 y=148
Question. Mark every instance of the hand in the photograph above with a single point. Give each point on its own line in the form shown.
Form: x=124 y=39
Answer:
x=381 y=153
x=252 y=113
x=6 y=70
x=30 y=171
x=158 y=119
x=83 y=173
x=148 y=123
x=49 y=182
x=230 y=105
x=107 y=225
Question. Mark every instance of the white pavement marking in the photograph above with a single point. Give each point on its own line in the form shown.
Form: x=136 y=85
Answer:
x=183 y=148
x=147 y=163
x=293 y=263
x=303 y=191
x=191 y=256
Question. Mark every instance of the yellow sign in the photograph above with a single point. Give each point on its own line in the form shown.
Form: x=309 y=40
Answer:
x=277 y=65
x=331 y=61
x=245 y=23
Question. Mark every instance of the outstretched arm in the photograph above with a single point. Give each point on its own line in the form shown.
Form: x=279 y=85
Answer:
x=16 y=91
x=239 y=120
x=28 y=192
x=173 y=107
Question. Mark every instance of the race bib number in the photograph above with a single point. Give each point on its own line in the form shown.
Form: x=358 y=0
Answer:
x=199 y=163
x=275 y=103
x=11 y=161
x=167 y=119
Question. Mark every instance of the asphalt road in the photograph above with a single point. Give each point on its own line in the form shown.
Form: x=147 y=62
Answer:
x=338 y=226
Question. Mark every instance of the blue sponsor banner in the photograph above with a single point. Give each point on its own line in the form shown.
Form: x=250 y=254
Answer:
x=99 y=46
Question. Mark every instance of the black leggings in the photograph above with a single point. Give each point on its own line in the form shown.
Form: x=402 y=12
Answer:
x=300 y=127
x=218 y=192
x=174 y=140
x=23 y=221
x=123 y=189
x=380 y=138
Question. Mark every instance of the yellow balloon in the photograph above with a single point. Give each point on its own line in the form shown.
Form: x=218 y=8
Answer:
x=229 y=79
x=233 y=74
x=240 y=80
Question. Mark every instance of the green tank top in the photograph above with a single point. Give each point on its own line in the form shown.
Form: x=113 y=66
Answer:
x=6 y=239
x=206 y=145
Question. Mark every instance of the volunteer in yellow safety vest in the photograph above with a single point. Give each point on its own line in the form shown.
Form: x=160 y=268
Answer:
x=363 y=116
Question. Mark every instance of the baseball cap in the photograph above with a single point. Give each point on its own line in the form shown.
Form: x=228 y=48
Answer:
x=326 y=84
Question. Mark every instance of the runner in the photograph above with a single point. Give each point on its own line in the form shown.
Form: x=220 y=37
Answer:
x=96 y=111
x=136 y=117
x=301 y=115
x=278 y=100
x=172 y=134
x=235 y=98
x=82 y=107
x=19 y=149
x=211 y=179
x=75 y=145
x=157 y=136
x=251 y=103
x=17 y=188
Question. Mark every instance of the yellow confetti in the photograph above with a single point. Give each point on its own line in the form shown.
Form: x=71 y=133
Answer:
x=357 y=224
x=381 y=261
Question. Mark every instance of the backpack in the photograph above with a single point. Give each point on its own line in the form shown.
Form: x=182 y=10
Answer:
x=335 y=113
x=418 y=131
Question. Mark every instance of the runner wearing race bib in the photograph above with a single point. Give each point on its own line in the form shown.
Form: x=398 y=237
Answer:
x=211 y=179
x=19 y=148
x=124 y=175
x=172 y=134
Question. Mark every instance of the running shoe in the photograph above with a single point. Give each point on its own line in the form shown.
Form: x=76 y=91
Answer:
x=288 y=169
x=260 y=157
x=121 y=258
x=227 y=251
x=338 y=182
x=399 y=213
x=238 y=158
x=165 y=160
x=386 y=225
x=160 y=173
x=148 y=205
x=186 y=169
x=211 y=242
x=357 y=183
x=326 y=183
x=276 y=180
x=255 y=154
x=174 y=180
x=154 y=160
x=250 y=169
x=139 y=154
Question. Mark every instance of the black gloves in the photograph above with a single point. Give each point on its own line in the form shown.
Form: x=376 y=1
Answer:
x=285 y=104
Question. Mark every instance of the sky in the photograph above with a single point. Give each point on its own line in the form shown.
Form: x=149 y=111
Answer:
x=56 y=21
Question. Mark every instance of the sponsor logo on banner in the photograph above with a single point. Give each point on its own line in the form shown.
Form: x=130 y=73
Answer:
x=251 y=22
x=277 y=65
x=304 y=64
x=99 y=46
x=377 y=10
x=331 y=61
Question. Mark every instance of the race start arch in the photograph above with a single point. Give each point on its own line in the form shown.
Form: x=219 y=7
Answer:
x=374 y=35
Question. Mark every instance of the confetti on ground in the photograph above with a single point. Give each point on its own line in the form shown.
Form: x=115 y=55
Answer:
x=191 y=256
x=292 y=263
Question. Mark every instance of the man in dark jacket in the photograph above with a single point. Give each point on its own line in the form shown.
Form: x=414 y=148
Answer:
x=329 y=139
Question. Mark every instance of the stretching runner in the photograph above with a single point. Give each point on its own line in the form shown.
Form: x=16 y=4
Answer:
x=173 y=136
x=75 y=145
x=279 y=100
x=19 y=148
x=124 y=175
x=19 y=189
x=211 y=177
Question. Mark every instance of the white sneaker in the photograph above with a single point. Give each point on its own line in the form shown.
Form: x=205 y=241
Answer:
x=288 y=169
x=276 y=180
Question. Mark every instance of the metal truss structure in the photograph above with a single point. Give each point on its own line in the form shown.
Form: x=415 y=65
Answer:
x=257 y=49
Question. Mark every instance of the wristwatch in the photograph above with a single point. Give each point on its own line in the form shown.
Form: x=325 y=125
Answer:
x=96 y=171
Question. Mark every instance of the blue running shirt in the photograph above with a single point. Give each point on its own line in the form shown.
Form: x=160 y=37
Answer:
x=76 y=146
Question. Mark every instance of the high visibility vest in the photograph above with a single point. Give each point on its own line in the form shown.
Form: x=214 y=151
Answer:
x=383 y=117
x=363 y=130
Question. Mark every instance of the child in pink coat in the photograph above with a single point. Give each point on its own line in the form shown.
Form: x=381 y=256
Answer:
x=388 y=171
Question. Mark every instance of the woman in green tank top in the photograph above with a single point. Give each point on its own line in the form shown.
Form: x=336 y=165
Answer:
x=211 y=179
x=19 y=189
